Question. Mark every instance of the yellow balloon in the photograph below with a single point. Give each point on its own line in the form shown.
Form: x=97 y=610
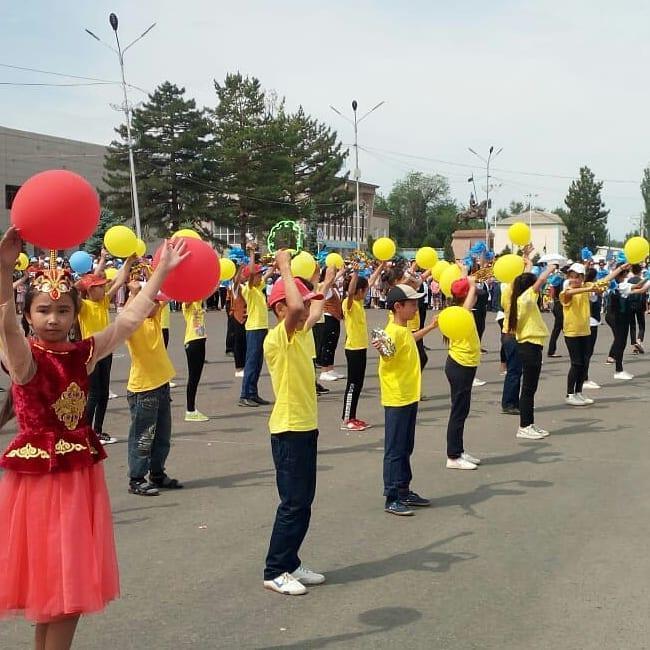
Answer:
x=519 y=234
x=303 y=265
x=140 y=248
x=384 y=249
x=110 y=273
x=456 y=323
x=335 y=260
x=187 y=232
x=508 y=267
x=228 y=269
x=448 y=277
x=636 y=249
x=22 y=262
x=426 y=258
x=438 y=269
x=120 y=241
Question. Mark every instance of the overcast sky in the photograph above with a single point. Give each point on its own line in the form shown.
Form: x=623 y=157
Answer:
x=557 y=84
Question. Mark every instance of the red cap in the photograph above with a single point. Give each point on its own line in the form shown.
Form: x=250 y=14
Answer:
x=247 y=270
x=90 y=280
x=278 y=293
x=460 y=288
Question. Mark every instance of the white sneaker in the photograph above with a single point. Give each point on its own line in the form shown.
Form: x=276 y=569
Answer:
x=586 y=400
x=112 y=395
x=478 y=382
x=239 y=373
x=338 y=375
x=639 y=346
x=460 y=463
x=307 y=576
x=472 y=459
x=591 y=385
x=529 y=433
x=542 y=432
x=172 y=384
x=574 y=400
x=286 y=584
x=330 y=375
x=623 y=375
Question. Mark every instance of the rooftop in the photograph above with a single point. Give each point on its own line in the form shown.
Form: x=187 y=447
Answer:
x=534 y=217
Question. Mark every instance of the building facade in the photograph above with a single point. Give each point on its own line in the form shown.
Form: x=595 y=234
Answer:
x=547 y=231
x=23 y=154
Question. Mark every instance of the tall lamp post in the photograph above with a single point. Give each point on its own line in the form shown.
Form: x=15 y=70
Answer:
x=357 y=172
x=112 y=19
x=486 y=161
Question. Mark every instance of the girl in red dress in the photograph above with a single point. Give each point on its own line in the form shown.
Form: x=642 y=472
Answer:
x=57 y=551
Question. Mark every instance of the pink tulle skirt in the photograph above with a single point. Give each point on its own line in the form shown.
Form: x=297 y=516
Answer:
x=57 y=550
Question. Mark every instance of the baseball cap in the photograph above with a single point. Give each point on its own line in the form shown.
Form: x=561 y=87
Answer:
x=460 y=288
x=278 y=292
x=90 y=280
x=401 y=292
x=576 y=267
x=247 y=270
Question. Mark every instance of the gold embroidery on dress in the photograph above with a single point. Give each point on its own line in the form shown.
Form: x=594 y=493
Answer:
x=28 y=452
x=70 y=407
x=64 y=447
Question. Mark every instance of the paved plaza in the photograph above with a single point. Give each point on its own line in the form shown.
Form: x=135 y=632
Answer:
x=544 y=546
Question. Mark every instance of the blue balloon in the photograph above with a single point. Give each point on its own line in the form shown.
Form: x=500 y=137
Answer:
x=81 y=262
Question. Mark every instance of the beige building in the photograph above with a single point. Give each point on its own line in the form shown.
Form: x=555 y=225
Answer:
x=23 y=154
x=547 y=231
x=463 y=240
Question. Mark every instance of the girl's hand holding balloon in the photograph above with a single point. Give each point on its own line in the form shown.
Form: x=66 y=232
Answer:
x=173 y=253
x=11 y=246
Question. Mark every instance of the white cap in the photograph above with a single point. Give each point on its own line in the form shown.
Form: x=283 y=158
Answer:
x=576 y=267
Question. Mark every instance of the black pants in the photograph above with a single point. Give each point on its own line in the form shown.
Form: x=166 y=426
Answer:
x=356 y=374
x=592 y=346
x=558 y=323
x=637 y=318
x=195 y=353
x=479 y=314
x=460 y=380
x=165 y=334
x=502 y=353
x=329 y=341
x=317 y=329
x=294 y=457
x=399 y=442
x=237 y=341
x=621 y=327
x=530 y=355
x=422 y=353
x=98 y=393
x=578 y=347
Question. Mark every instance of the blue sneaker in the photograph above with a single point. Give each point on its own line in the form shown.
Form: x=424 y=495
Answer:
x=398 y=508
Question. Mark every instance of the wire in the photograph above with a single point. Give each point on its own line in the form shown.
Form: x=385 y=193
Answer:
x=61 y=85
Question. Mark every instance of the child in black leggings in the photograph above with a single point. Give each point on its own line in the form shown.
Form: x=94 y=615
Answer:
x=195 y=353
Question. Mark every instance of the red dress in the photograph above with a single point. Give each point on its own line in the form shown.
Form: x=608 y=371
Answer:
x=57 y=551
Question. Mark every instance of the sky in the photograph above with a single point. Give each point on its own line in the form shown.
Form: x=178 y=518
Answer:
x=555 y=84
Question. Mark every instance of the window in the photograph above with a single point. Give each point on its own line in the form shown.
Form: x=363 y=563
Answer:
x=10 y=195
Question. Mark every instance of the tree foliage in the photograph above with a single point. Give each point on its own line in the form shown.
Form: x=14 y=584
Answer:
x=173 y=173
x=645 y=193
x=586 y=219
x=107 y=219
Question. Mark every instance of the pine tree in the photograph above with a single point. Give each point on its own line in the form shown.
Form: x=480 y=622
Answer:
x=173 y=172
x=645 y=193
x=106 y=219
x=586 y=220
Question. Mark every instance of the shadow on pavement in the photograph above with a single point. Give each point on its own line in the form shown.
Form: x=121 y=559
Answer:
x=530 y=454
x=380 y=620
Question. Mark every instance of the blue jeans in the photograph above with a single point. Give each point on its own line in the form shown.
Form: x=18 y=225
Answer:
x=150 y=409
x=399 y=441
x=253 y=365
x=294 y=457
x=512 y=381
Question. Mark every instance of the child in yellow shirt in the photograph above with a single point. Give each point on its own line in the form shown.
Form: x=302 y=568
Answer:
x=400 y=379
x=195 y=352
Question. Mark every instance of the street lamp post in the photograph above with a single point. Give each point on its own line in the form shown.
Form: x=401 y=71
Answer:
x=486 y=161
x=357 y=172
x=112 y=19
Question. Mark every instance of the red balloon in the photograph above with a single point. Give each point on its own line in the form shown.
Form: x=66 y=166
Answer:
x=56 y=209
x=196 y=277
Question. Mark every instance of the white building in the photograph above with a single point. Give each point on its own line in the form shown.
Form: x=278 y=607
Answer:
x=547 y=231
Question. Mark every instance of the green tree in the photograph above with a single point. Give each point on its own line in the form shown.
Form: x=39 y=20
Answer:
x=586 y=220
x=173 y=172
x=645 y=193
x=107 y=219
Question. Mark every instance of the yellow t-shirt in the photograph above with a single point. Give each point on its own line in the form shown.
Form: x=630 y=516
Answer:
x=93 y=316
x=356 y=329
x=258 y=315
x=150 y=364
x=531 y=327
x=506 y=296
x=291 y=368
x=412 y=324
x=576 y=314
x=194 y=321
x=399 y=376
x=165 y=316
x=466 y=352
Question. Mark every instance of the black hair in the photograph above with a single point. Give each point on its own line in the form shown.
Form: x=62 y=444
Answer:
x=362 y=283
x=636 y=269
x=590 y=275
x=520 y=284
